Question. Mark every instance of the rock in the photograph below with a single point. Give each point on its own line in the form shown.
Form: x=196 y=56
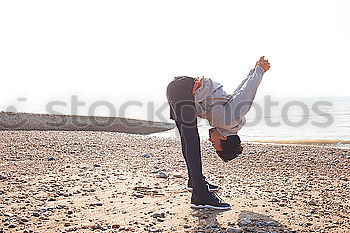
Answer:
x=42 y=209
x=145 y=155
x=70 y=212
x=2 y=177
x=262 y=224
x=177 y=174
x=60 y=206
x=153 y=229
x=96 y=204
x=244 y=221
x=96 y=226
x=36 y=214
x=11 y=226
x=24 y=220
x=97 y=165
x=158 y=215
x=85 y=226
x=272 y=224
x=8 y=215
x=69 y=229
x=114 y=226
x=51 y=159
x=234 y=230
x=162 y=175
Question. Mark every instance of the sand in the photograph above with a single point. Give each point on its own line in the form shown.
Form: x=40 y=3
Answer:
x=67 y=181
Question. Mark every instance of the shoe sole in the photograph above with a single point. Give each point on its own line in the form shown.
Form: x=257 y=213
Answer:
x=191 y=189
x=209 y=207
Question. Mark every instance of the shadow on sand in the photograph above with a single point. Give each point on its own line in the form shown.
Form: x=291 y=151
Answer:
x=247 y=221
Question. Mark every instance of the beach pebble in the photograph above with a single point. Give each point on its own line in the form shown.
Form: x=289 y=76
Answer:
x=178 y=175
x=271 y=223
x=2 y=177
x=8 y=214
x=51 y=159
x=11 y=226
x=36 y=214
x=262 y=224
x=162 y=175
x=114 y=226
x=96 y=204
x=158 y=215
x=69 y=229
x=24 y=219
x=234 y=230
x=97 y=165
x=145 y=155
x=244 y=221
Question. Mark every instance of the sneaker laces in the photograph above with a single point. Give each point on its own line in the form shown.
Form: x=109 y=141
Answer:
x=216 y=197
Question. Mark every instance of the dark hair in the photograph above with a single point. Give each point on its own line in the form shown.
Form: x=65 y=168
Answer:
x=231 y=148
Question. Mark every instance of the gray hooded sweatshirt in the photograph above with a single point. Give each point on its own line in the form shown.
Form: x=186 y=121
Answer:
x=225 y=111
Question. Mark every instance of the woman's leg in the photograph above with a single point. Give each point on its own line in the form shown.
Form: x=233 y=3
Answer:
x=190 y=142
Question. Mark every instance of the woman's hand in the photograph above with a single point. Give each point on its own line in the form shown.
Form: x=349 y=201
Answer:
x=263 y=63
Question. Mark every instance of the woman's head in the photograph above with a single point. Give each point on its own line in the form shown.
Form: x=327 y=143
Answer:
x=228 y=147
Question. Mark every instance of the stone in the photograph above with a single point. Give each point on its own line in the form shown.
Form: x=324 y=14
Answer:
x=162 y=175
x=245 y=221
x=177 y=174
x=114 y=226
x=36 y=214
x=51 y=159
x=97 y=165
x=96 y=204
x=24 y=220
x=69 y=229
x=8 y=215
x=234 y=230
x=272 y=224
x=145 y=155
x=158 y=215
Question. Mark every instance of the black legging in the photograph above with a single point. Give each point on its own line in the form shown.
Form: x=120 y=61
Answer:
x=182 y=110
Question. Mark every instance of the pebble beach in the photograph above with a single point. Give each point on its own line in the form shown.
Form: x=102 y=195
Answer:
x=79 y=181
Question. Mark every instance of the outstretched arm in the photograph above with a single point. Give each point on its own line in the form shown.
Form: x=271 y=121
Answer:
x=261 y=62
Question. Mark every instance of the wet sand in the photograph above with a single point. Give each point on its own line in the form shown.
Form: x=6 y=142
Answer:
x=77 y=181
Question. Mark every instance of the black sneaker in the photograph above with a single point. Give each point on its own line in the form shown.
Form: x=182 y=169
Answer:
x=208 y=200
x=211 y=187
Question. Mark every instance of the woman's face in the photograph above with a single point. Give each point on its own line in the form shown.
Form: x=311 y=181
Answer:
x=215 y=137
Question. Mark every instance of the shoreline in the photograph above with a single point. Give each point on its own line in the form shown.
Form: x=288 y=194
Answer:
x=83 y=181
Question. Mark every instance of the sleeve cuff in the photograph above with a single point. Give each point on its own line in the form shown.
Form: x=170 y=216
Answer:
x=260 y=68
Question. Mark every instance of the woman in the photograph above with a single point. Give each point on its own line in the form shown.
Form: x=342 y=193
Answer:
x=188 y=98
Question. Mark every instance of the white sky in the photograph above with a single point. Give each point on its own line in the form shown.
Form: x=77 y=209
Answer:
x=130 y=50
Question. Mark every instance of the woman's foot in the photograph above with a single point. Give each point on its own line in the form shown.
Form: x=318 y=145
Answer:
x=208 y=200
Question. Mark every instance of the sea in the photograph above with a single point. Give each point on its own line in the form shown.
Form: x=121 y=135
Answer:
x=323 y=121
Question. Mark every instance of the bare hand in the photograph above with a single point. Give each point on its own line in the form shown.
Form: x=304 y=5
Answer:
x=263 y=63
